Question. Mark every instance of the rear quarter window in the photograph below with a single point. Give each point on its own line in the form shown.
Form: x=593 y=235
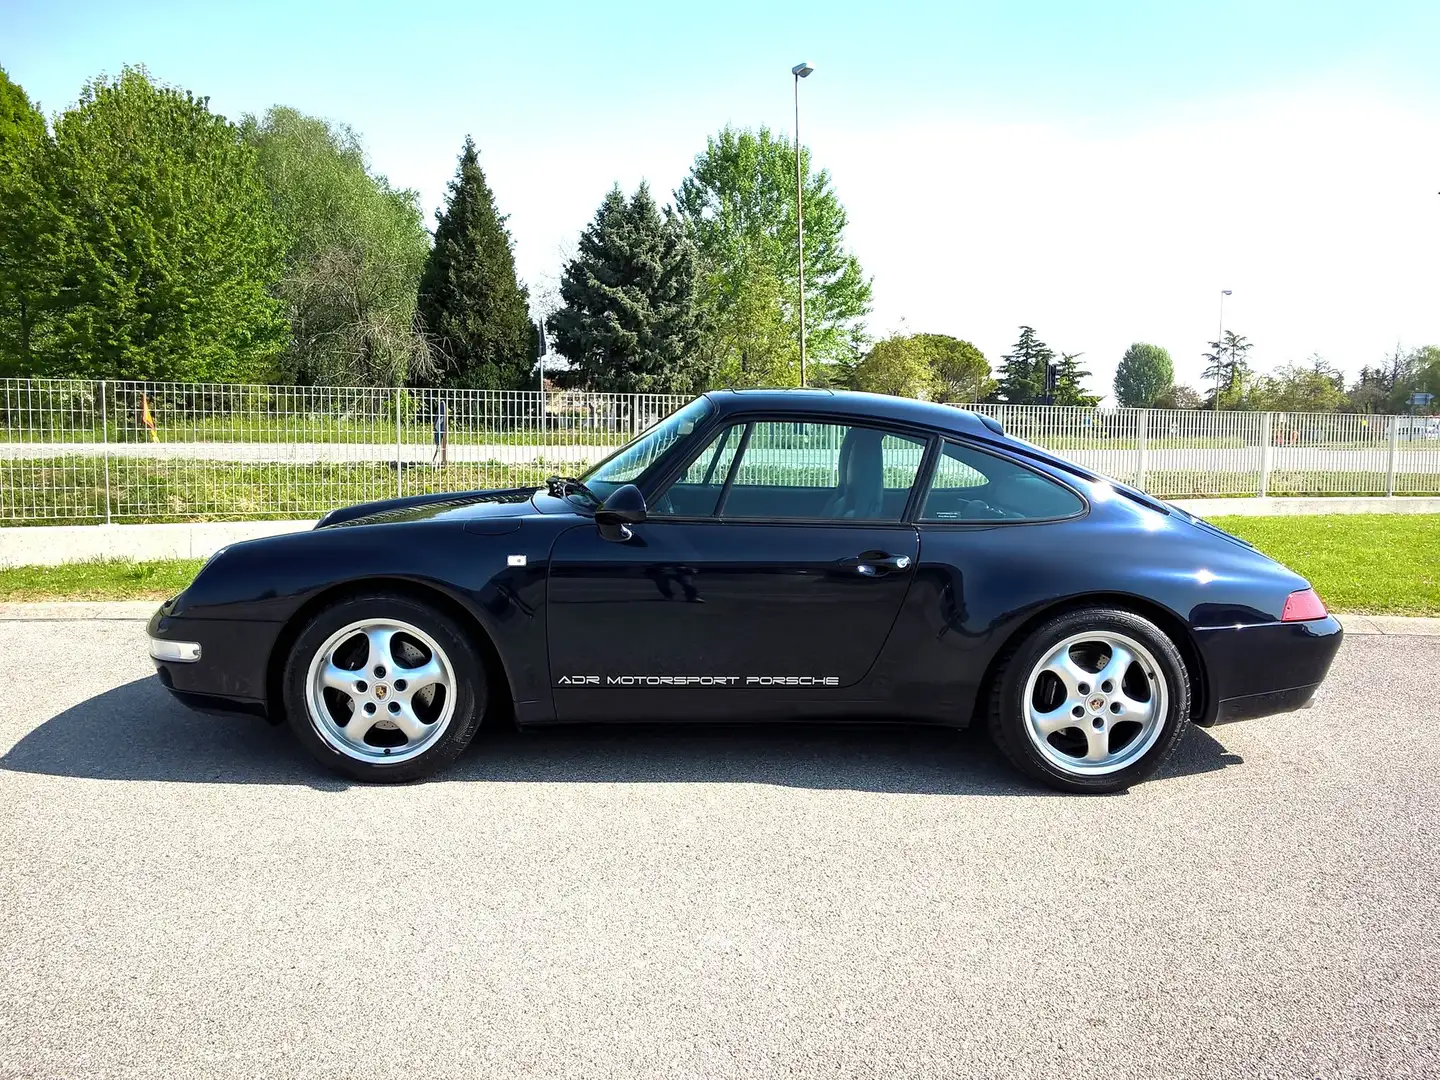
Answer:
x=974 y=485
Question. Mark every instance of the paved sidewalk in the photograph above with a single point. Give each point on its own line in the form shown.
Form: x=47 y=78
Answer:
x=1401 y=625
x=1390 y=624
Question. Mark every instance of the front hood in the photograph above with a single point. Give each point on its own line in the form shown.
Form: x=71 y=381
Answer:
x=455 y=506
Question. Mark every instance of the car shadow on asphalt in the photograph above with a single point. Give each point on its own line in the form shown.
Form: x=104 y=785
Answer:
x=139 y=732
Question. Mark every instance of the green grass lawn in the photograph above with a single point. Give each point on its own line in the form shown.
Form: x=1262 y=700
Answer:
x=118 y=579
x=1377 y=564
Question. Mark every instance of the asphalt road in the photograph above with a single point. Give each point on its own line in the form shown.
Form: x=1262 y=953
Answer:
x=1413 y=460
x=183 y=896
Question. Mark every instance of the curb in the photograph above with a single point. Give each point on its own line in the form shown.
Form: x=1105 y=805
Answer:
x=1271 y=506
x=54 y=545
x=77 y=610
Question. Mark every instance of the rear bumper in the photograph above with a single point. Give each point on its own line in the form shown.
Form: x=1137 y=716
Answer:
x=1271 y=668
x=1253 y=705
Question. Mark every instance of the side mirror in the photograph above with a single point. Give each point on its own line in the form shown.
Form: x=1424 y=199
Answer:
x=624 y=507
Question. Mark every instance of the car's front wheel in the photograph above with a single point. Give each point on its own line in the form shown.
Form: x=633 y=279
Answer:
x=1091 y=701
x=383 y=687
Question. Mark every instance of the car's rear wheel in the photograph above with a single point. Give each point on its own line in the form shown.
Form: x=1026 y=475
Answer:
x=1091 y=701
x=384 y=687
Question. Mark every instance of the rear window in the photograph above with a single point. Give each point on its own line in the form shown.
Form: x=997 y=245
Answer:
x=972 y=485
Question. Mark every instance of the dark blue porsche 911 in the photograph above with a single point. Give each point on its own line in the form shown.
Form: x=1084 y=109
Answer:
x=761 y=555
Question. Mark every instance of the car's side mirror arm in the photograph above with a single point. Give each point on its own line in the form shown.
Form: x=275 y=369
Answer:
x=625 y=507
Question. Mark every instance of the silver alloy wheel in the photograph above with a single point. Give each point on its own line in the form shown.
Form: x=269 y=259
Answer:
x=380 y=690
x=1095 y=703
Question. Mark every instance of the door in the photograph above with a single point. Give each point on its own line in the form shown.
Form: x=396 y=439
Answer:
x=772 y=569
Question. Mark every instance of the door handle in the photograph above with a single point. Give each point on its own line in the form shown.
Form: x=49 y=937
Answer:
x=873 y=565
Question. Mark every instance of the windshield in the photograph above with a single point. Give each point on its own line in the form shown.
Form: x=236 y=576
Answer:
x=626 y=464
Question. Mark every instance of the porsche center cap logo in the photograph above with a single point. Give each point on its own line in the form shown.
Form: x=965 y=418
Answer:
x=1096 y=703
x=381 y=691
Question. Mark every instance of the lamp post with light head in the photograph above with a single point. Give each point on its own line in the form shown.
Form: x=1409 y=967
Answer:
x=800 y=71
x=1220 y=349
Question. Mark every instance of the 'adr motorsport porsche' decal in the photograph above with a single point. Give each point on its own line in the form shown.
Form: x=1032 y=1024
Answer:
x=698 y=680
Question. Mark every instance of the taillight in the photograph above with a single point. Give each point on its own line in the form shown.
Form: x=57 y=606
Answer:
x=1303 y=605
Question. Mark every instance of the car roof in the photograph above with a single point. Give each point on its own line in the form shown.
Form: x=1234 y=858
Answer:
x=853 y=403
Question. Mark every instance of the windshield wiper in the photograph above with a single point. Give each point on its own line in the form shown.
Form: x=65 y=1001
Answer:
x=560 y=486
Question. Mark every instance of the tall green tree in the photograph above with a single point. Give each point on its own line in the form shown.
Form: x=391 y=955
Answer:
x=1318 y=365
x=740 y=198
x=749 y=339
x=1226 y=369
x=1177 y=397
x=473 y=307
x=170 y=249
x=1296 y=388
x=1427 y=373
x=631 y=318
x=28 y=247
x=1022 y=369
x=1145 y=372
x=1386 y=387
x=1369 y=394
x=901 y=364
x=1070 y=382
x=354 y=250
x=960 y=371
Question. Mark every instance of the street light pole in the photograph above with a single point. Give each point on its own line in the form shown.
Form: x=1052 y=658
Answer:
x=1220 y=348
x=800 y=71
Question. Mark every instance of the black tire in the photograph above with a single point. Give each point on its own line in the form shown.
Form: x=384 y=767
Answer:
x=471 y=691
x=1009 y=729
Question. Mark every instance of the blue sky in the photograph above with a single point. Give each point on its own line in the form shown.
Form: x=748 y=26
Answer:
x=1099 y=170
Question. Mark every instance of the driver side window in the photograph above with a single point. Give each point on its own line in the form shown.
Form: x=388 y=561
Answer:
x=798 y=470
x=698 y=488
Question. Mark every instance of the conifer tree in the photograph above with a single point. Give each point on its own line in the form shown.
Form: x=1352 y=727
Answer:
x=1022 y=369
x=472 y=307
x=1069 y=383
x=631 y=318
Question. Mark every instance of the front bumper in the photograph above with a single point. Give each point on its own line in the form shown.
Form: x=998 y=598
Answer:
x=214 y=665
x=1267 y=669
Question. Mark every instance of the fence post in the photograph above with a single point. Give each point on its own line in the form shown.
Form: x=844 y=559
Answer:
x=399 y=466
x=1142 y=433
x=105 y=441
x=1267 y=450
x=1394 y=445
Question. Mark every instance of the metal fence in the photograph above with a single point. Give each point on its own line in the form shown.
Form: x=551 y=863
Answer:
x=1176 y=453
x=75 y=450
x=107 y=451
